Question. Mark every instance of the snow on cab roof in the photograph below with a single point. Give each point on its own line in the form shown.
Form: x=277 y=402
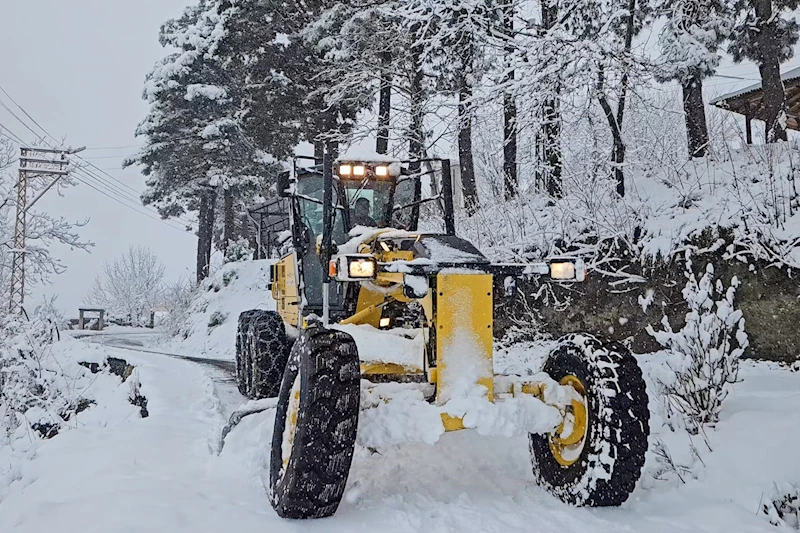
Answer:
x=365 y=154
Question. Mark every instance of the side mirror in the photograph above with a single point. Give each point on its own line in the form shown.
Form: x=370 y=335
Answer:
x=415 y=287
x=283 y=183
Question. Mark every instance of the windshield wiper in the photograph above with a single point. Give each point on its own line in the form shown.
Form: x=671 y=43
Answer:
x=355 y=196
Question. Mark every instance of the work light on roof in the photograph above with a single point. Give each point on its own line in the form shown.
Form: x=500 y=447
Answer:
x=359 y=170
x=345 y=170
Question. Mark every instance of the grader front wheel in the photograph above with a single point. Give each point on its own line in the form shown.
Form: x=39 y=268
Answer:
x=596 y=456
x=315 y=425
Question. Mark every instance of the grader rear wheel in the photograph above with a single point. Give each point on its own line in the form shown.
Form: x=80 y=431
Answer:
x=315 y=425
x=268 y=348
x=243 y=356
x=595 y=458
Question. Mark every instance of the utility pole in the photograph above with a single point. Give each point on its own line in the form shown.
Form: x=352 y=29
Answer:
x=32 y=162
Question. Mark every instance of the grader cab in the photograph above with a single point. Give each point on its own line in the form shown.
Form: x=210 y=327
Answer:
x=376 y=287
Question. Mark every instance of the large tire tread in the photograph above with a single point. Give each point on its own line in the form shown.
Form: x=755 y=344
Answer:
x=243 y=356
x=268 y=347
x=612 y=459
x=314 y=481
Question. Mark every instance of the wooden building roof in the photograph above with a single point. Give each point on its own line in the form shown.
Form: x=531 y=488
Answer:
x=750 y=100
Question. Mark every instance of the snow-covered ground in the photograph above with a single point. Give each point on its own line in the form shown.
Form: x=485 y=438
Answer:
x=165 y=472
x=115 y=472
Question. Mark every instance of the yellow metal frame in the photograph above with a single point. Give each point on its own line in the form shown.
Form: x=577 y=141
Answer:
x=458 y=311
x=284 y=290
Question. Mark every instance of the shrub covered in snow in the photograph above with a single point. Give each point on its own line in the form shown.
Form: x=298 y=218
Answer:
x=48 y=387
x=782 y=506
x=238 y=250
x=703 y=357
x=206 y=321
x=178 y=298
x=32 y=387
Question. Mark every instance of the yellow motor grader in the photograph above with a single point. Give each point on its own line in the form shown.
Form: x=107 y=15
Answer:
x=373 y=254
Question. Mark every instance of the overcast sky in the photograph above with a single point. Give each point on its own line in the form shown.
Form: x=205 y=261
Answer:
x=77 y=66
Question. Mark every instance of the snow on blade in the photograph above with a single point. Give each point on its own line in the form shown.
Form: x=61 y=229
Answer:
x=405 y=347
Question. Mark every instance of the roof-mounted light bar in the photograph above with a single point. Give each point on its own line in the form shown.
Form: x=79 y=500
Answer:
x=361 y=170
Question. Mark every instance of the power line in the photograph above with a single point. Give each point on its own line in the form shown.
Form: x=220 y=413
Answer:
x=23 y=110
x=83 y=178
x=99 y=148
x=4 y=106
x=123 y=156
x=10 y=135
x=110 y=185
x=123 y=196
x=99 y=180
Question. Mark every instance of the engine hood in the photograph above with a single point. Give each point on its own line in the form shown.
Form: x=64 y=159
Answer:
x=438 y=248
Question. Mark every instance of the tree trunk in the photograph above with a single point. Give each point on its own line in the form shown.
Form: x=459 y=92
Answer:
x=416 y=133
x=552 y=148
x=229 y=229
x=319 y=152
x=770 y=69
x=549 y=137
x=510 y=179
x=384 y=104
x=615 y=121
x=465 y=157
x=695 y=113
x=205 y=233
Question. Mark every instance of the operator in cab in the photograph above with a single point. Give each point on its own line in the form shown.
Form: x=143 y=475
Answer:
x=361 y=215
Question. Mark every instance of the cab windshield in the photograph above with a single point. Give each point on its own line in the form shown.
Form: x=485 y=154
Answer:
x=378 y=203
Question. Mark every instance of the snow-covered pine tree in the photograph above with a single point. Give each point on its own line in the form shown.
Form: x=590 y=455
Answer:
x=173 y=155
x=572 y=56
x=765 y=32
x=690 y=51
x=196 y=146
x=256 y=50
x=549 y=135
x=365 y=48
x=451 y=39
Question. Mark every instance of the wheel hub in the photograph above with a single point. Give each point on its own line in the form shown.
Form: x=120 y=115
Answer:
x=567 y=441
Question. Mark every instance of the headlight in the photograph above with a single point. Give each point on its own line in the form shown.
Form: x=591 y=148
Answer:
x=562 y=271
x=361 y=269
x=356 y=267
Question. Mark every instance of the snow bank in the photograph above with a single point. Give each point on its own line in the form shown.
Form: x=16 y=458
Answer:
x=70 y=387
x=210 y=329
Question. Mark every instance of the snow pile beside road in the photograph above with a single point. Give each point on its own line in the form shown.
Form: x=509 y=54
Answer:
x=49 y=388
x=210 y=329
